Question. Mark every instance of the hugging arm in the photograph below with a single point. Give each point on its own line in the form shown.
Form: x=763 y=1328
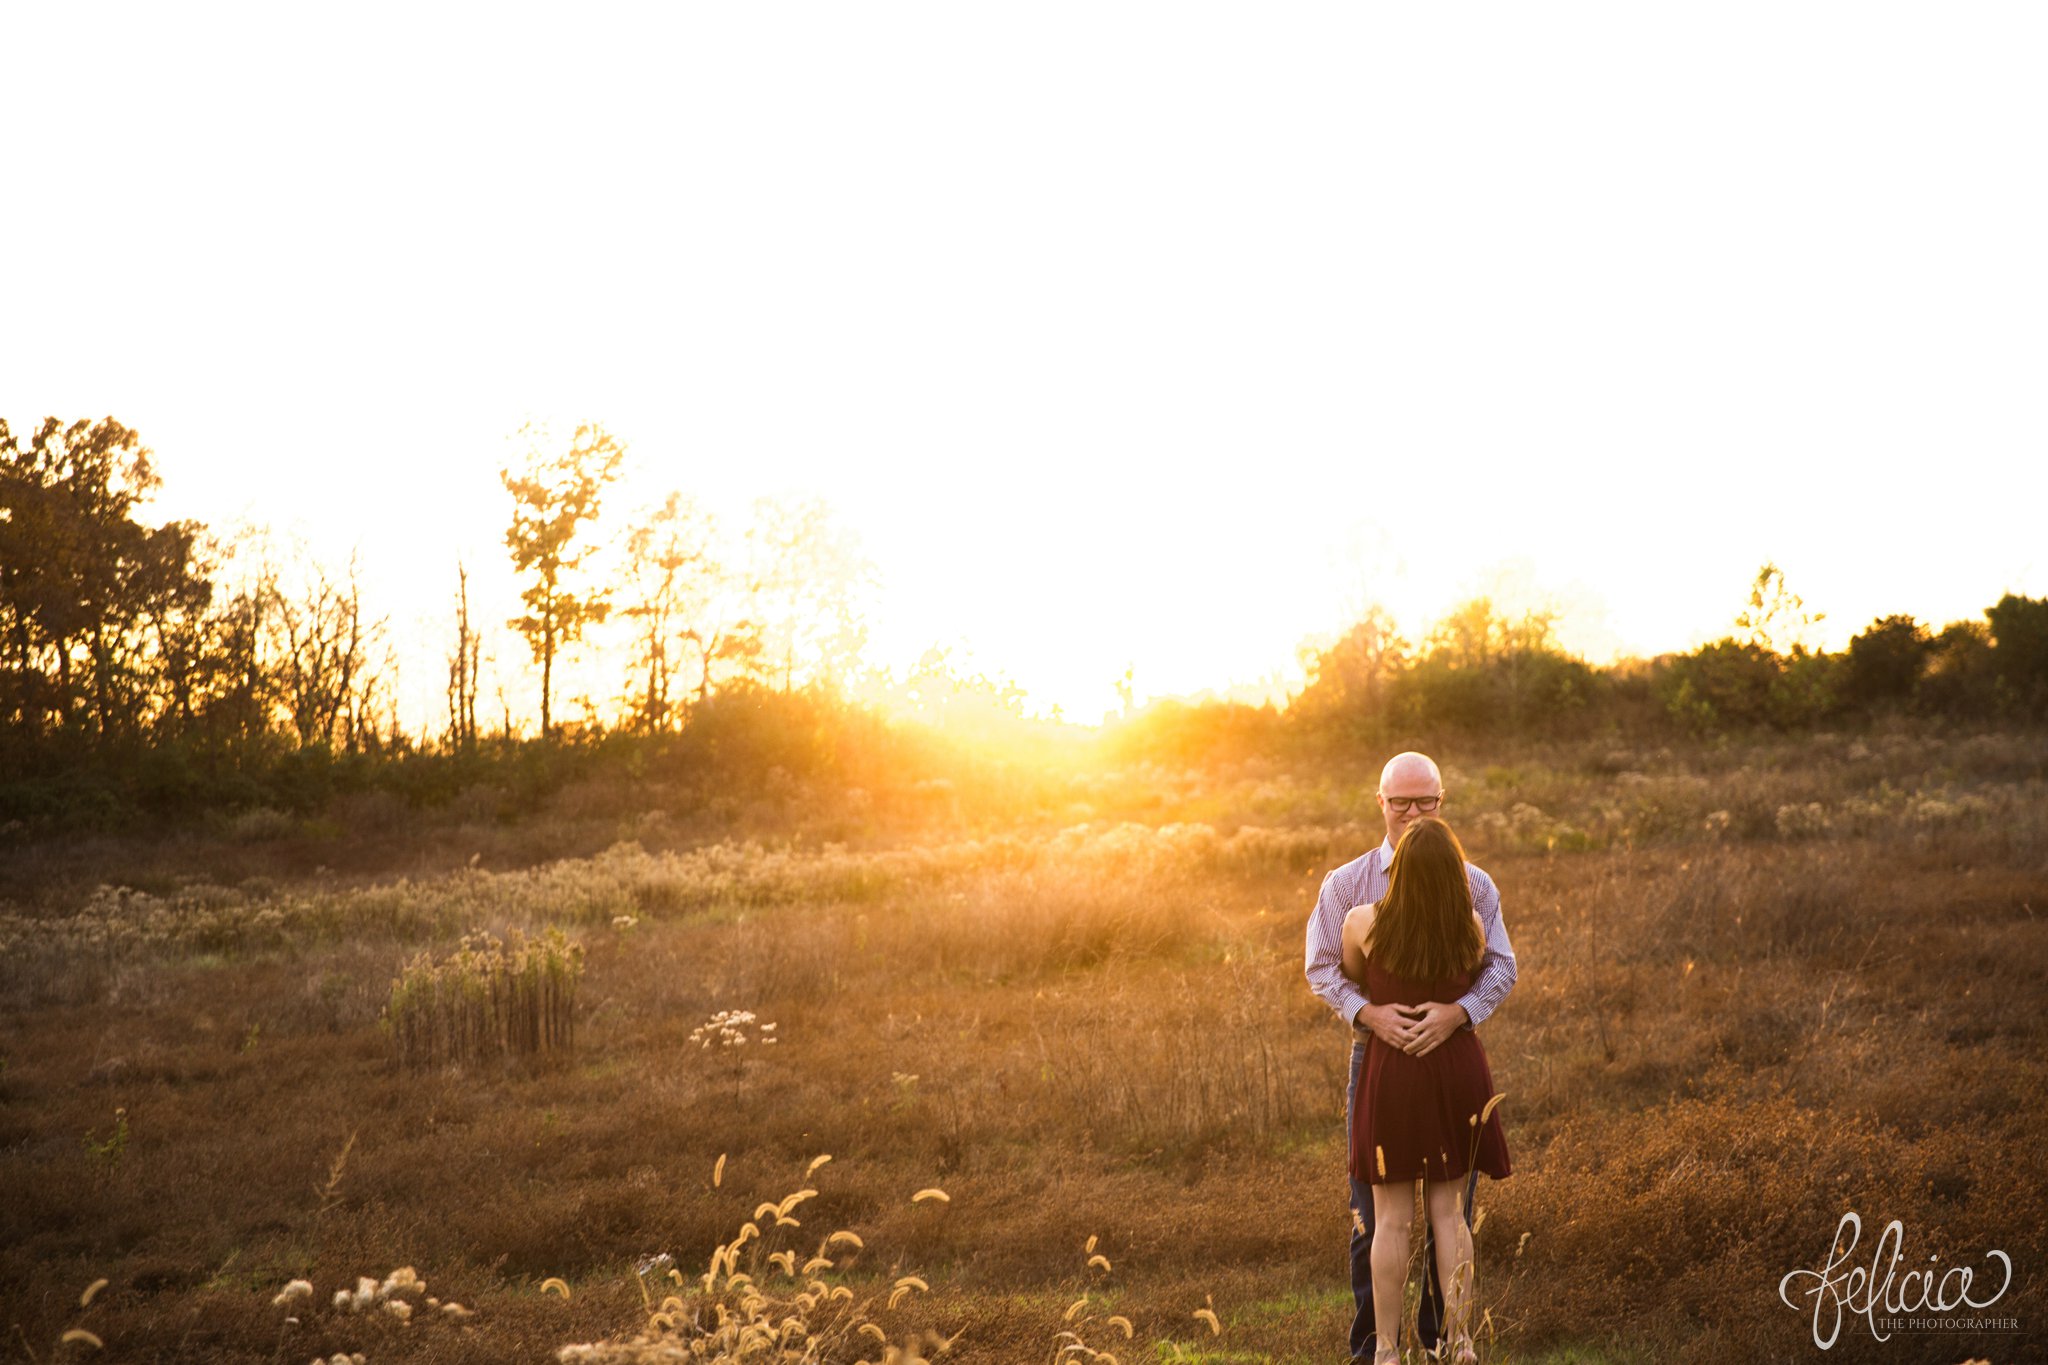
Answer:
x=1333 y=956
x=1497 y=968
x=1496 y=977
x=1356 y=923
x=1324 y=963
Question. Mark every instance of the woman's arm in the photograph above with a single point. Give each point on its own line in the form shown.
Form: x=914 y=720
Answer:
x=1356 y=925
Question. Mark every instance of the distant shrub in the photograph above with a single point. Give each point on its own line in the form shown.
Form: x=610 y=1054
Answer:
x=258 y=825
x=1177 y=732
x=747 y=731
x=1885 y=662
x=1740 y=684
x=1961 y=678
x=2019 y=631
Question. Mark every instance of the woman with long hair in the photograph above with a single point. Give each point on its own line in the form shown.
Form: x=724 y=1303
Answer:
x=1424 y=1116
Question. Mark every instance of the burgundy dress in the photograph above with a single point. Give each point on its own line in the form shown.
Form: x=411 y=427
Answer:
x=1412 y=1118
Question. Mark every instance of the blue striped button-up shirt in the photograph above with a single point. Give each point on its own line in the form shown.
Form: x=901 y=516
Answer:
x=1364 y=880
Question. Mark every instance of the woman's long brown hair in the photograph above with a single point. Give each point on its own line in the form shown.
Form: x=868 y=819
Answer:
x=1423 y=928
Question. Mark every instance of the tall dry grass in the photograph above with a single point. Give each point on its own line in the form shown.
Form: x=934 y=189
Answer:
x=1725 y=1031
x=488 y=999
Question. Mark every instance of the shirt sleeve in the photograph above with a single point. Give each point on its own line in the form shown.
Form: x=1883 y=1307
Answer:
x=1325 y=964
x=1497 y=968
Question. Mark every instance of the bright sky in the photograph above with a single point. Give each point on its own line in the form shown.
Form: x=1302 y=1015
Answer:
x=1161 y=335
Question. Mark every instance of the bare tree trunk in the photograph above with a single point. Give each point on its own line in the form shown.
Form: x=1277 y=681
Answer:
x=102 y=703
x=350 y=662
x=458 y=665
x=547 y=674
x=462 y=668
x=63 y=683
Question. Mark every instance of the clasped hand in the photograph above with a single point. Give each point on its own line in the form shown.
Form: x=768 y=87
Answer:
x=1415 y=1029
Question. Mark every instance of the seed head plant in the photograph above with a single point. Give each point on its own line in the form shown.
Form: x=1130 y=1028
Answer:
x=761 y=1298
x=731 y=1032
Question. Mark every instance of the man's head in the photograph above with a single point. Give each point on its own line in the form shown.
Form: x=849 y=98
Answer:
x=1410 y=788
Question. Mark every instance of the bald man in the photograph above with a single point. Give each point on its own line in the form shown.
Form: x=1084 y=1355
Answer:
x=1411 y=786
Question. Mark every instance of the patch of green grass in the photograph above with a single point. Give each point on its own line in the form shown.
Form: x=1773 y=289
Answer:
x=1572 y=1355
x=1294 y=1303
x=1186 y=1353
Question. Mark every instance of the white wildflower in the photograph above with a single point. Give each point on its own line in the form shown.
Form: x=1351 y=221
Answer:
x=405 y=1277
x=293 y=1292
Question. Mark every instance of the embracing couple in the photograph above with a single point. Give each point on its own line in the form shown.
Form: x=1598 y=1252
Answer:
x=1406 y=944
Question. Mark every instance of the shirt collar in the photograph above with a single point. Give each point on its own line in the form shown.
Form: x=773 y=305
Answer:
x=1386 y=853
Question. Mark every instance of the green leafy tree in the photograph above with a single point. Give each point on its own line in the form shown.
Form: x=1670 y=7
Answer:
x=1885 y=662
x=185 y=625
x=82 y=580
x=1485 y=672
x=1350 y=683
x=556 y=494
x=1726 y=683
x=1962 y=672
x=2019 y=636
x=1764 y=674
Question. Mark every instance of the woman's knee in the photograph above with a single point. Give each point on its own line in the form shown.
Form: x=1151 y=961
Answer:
x=1390 y=1245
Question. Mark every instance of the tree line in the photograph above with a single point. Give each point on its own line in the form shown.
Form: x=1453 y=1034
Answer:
x=776 y=605
x=117 y=635
x=151 y=667
x=172 y=655
x=1484 y=672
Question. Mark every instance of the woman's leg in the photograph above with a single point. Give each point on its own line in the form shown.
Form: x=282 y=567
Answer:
x=1429 y=1310
x=1453 y=1263
x=1393 y=1208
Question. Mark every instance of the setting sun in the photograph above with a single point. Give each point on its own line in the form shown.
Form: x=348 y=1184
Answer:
x=1109 y=360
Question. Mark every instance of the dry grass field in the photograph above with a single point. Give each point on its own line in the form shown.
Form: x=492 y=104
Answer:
x=1760 y=985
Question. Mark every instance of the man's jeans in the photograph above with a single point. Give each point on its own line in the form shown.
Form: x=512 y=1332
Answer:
x=1429 y=1315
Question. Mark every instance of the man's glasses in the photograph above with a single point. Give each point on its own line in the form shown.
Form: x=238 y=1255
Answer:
x=1404 y=805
